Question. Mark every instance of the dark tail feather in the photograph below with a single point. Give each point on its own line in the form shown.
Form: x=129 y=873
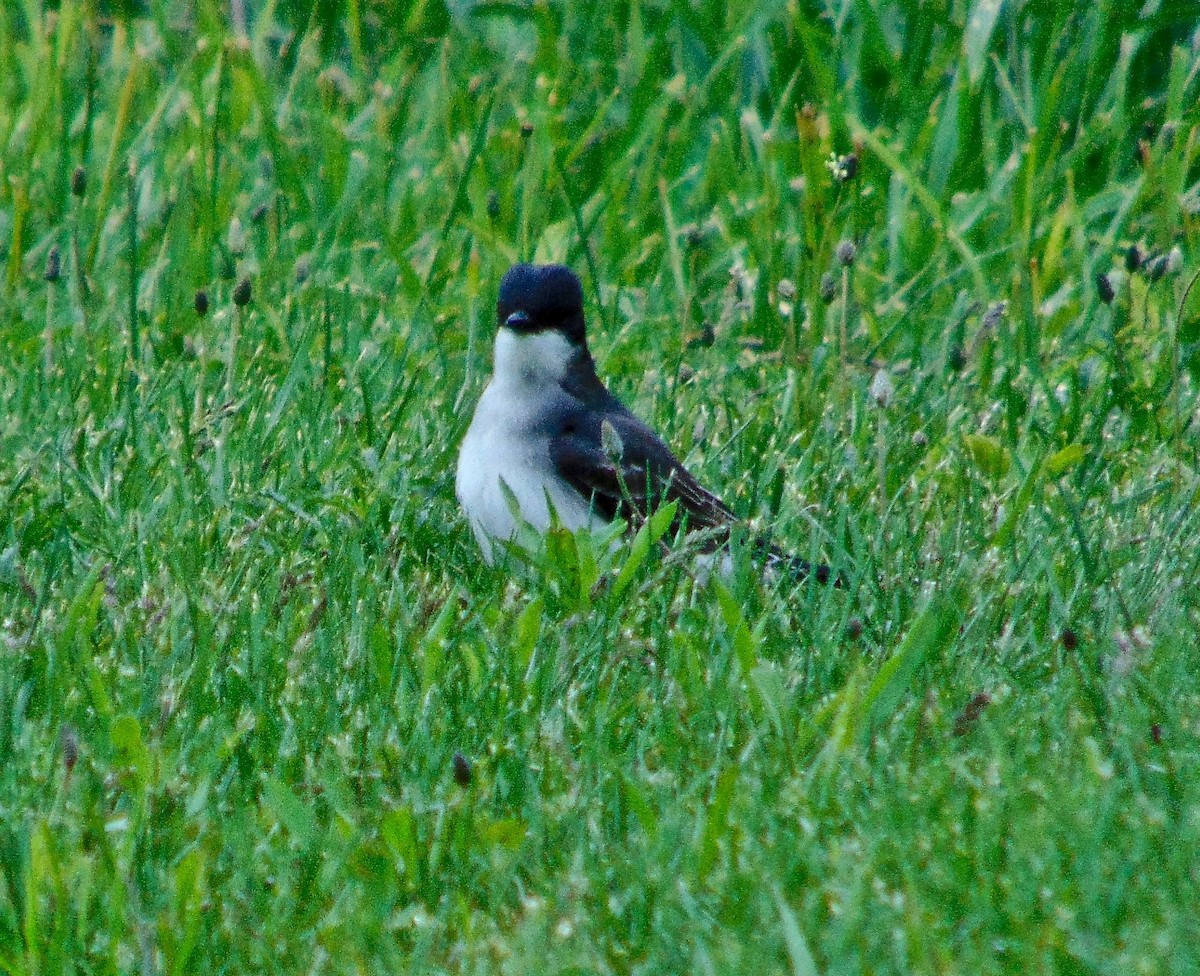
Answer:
x=800 y=569
x=776 y=560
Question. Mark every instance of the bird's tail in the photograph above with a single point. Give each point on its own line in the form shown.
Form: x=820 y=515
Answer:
x=713 y=544
x=778 y=561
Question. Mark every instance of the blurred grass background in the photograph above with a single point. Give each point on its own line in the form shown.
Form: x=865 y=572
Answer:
x=245 y=629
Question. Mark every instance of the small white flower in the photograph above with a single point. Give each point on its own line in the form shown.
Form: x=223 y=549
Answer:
x=842 y=168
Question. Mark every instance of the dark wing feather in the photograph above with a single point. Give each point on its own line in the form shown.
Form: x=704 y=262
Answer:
x=644 y=475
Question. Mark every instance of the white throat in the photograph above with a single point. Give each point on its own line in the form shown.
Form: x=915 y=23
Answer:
x=531 y=359
x=506 y=453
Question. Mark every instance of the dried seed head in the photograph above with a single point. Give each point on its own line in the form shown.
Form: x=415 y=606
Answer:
x=526 y=129
x=702 y=338
x=846 y=253
x=79 y=181
x=1156 y=733
x=201 y=303
x=53 y=265
x=260 y=213
x=1068 y=638
x=920 y=439
x=786 y=289
x=1156 y=267
x=996 y=311
x=827 y=288
x=462 y=770
x=241 y=294
x=693 y=236
x=69 y=743
x=1134 y=258
x=966 y=719
x=1105 y=289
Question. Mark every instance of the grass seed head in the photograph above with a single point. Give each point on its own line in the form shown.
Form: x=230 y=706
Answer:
x=1156 y=267
x=68 y=742
x=462 y=770
x=693 y=235
x=236 y=238
x=241 y=294
x=882 y=388
x=965 y=720
x=201 y=303
x=827 y=288
x=53 y=265
x=996 y=311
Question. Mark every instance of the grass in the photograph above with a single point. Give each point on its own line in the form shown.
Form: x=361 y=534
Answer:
x=246 y=630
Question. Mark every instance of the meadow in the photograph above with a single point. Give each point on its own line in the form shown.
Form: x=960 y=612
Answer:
x=911 y=284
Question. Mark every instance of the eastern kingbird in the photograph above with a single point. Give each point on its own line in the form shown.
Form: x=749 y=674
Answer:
x=548 y=434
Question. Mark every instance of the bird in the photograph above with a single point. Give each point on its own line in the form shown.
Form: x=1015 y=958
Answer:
x=547 y=435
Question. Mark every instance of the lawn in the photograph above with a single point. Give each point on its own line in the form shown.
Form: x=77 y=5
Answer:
x=907 y=283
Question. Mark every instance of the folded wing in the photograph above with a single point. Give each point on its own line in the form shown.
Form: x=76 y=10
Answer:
x=615 y=460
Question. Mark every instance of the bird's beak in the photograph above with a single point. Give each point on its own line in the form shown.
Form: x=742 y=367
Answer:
x=518 y=321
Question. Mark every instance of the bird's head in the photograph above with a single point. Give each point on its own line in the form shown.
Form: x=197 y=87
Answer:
x=541 y=298
x=540 y=325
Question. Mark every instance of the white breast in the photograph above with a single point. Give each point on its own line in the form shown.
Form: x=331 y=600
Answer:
x=509 y=441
